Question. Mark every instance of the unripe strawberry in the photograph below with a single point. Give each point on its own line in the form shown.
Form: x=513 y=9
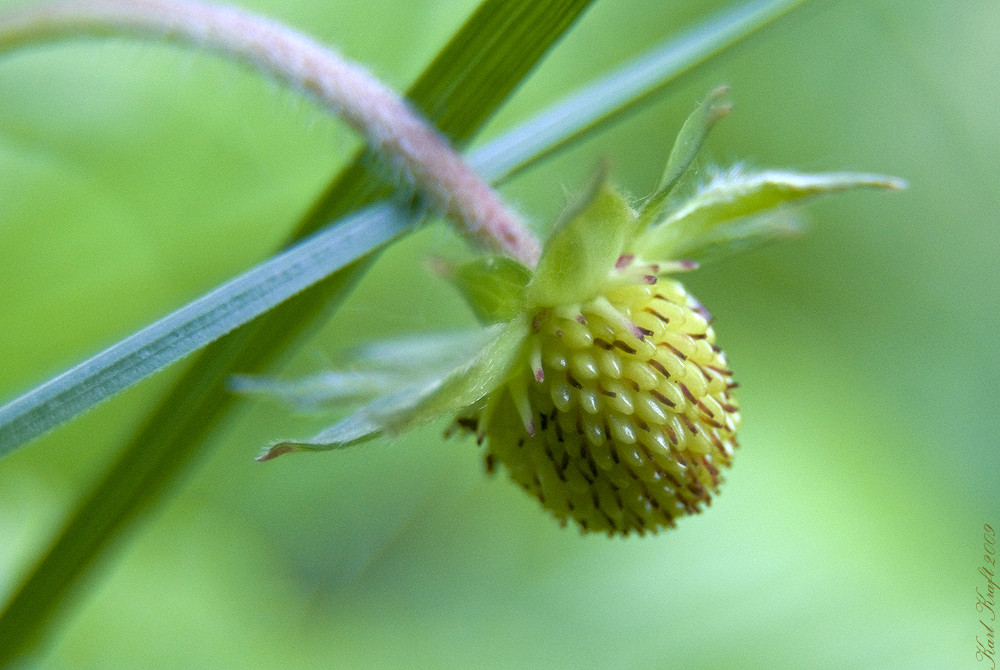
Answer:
x=620 y=415
x=598 y=385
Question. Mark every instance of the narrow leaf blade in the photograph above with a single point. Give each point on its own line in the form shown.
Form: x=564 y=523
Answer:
x=623 y=89
x=196 y=324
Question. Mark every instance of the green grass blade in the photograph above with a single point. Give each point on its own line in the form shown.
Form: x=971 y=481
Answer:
x=623 y=89
x=175 y=434
x=196 y=325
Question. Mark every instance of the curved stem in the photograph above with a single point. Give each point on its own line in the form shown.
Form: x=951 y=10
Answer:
x=412 y=147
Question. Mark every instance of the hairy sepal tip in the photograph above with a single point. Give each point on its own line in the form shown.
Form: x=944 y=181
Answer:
x=276 y=450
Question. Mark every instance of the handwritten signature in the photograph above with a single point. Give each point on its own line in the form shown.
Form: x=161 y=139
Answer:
x=986 y=600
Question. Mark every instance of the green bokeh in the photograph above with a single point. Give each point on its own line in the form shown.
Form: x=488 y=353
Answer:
x=135 y=177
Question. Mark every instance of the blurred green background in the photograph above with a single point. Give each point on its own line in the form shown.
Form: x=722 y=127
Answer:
x=848 y=535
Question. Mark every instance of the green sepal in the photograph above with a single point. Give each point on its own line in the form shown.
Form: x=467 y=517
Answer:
x=686 y=147
x=744 y=234
x=494 y=286
x=583 y=247
x=368 y=370
x=726 y=215
x=422 y=401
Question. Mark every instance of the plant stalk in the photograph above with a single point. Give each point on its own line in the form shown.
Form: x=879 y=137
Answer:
x=414 y=150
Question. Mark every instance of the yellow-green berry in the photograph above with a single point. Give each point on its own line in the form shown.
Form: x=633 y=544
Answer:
x=620 y=414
